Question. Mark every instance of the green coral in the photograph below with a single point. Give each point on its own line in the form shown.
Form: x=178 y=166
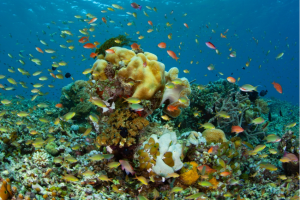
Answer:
x=125 y=41
x=51 y=148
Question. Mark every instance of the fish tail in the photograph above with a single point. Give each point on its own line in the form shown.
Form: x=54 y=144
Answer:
x=140 y=7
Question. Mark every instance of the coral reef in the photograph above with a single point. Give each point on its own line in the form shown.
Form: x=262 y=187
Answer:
x=74 y=99
x=123 y=130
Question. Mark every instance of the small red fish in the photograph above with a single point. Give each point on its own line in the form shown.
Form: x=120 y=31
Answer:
x=59 y=105
x=104 y=20
x=185 y=24
x=223 y=36
x=109 y=51
x=231 y=79
x=83 y=39
x=210 y=150
x=162 y=45
x=236 y=129
x=52 y=75
x=39 y=49
x=172 y=108
x=172 y=54
x=93 y=55
x=225 y=174
x=210 y=45
x=150 y=23
x=89 y=46
x=135 y=46
x=278 y=87
x=93 y=20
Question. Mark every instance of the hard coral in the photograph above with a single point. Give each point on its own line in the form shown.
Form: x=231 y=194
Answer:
x=214 y=135
x=124 y=127
x=189 y=173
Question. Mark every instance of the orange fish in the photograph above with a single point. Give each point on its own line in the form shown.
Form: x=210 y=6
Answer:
x=59 y=105
x=278 y=87
x=208 y=169
x=150 y=23
x=109 y=51
x=210 y=150
x=162 y=45
x=83 y=39
x=135 y=46
x=52 y=75
x=225 y=174
x=93 y=20
x=93 y=55
x=39 y=49
x=172 y=108
x=236 y=129
x=223 y=36
x=172 y=54
x=89 y=46
x=185 y=24
x=231 y=79
x=104 y=20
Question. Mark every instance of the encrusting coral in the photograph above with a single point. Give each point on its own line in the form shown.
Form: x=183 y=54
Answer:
x=188 y=173
x=123 y=130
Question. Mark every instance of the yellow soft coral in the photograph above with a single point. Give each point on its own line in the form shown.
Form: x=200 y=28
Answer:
x=214 y=135
x=5 y=190
x=189 y=176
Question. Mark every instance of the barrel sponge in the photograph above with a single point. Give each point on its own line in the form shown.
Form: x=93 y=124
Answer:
x=98 y=70
x=148 y=75
x=121 y=54
x=214 y=135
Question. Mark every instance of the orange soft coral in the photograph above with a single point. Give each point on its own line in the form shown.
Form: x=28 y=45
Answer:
x=5 y=190
x=189 y=174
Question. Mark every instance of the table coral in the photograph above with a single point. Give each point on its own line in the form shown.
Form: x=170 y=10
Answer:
x=124 y=127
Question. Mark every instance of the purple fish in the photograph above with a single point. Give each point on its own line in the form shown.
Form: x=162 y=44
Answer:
x=136 y=6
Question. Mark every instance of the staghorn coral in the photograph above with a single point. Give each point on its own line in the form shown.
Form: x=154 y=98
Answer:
x=123 y=130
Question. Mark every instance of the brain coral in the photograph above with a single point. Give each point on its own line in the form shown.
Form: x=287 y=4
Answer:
x=214 y=135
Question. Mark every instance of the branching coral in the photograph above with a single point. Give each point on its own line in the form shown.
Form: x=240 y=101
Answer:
x=123 y=130
x=236 y=106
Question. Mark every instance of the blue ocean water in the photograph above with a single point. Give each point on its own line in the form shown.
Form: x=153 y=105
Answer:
x=254 y=28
